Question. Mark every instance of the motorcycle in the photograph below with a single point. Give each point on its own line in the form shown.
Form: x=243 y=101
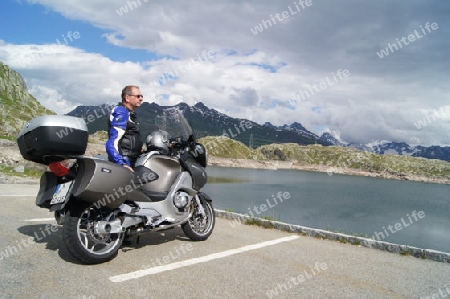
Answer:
x=100 y=203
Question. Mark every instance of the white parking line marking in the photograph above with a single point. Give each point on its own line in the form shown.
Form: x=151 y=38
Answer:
x=198 y=260
x=40 y=219
x=17 y=195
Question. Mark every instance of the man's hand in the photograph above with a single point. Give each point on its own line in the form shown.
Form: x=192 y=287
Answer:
x=125 y=165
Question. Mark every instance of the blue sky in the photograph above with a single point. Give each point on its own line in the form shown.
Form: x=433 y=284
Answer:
x=36 y=24
x=255 y=76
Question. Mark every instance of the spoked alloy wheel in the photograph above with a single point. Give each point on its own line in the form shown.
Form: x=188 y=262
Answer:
x=199 y=227
x=81 y=238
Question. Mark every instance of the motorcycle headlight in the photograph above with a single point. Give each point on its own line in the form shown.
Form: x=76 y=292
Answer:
x=181 y=199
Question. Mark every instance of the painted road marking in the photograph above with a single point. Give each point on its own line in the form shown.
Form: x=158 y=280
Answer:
x=40 y=219
x=198 y=260
x=18 y=195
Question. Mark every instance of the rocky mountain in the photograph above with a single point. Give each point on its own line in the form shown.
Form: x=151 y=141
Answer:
x=395 y=148
x=17 y=105
x=404 y=149
x=96 y=117
x=433 y=152
x=209 y=122
x=328 y=137
x=205 y=122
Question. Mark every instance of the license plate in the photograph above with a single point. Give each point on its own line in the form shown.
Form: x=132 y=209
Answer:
x=61 y=193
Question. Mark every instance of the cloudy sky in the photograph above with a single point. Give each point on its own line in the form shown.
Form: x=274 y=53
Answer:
x=363 y=70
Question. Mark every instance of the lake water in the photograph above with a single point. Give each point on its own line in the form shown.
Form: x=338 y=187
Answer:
x=402 y=212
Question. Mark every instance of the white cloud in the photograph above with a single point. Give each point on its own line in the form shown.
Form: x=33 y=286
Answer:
x=381 y=99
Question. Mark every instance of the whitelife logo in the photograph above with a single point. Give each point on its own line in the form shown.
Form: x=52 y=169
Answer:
x=411 y=38
x=266 y=24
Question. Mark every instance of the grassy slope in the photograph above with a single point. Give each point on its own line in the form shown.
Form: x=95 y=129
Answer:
x=17 y=106
x=330 y=156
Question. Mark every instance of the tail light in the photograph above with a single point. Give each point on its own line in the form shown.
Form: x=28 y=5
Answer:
x=61 y=168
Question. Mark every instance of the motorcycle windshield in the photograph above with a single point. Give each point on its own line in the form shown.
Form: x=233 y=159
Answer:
x=173 y=122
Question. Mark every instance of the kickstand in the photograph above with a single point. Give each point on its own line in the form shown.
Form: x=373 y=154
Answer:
x=137 y=239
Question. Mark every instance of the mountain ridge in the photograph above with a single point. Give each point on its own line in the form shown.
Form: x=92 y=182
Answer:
x=209 y=122
x=17 y=105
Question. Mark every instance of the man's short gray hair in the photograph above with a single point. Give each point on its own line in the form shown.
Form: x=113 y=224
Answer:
x=127 y=91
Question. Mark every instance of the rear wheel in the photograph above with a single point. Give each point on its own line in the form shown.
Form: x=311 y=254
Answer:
x=199 y=227
x=83 y=242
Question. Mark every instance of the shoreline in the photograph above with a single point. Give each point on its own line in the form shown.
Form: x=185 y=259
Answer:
x=278 y=165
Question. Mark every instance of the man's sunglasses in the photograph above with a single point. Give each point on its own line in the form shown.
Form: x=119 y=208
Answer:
x=136 y=95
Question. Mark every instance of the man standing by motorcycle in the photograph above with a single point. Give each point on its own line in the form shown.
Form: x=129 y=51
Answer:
x=124 y=143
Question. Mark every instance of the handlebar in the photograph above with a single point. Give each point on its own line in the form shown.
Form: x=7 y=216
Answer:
x=179 y=145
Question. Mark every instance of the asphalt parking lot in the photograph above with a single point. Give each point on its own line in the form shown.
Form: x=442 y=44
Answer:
x=237 y=261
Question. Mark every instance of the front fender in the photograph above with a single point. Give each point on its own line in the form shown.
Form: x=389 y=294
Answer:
x=204 y=196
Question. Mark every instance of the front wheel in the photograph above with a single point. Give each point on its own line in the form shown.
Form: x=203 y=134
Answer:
x=83 y=242
x=199 y=227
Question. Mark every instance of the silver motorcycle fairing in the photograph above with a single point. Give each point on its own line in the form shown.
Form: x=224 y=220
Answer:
x=166 y=167
x=165 y=210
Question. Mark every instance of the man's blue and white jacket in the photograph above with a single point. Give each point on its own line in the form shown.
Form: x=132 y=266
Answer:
x=124 y=143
